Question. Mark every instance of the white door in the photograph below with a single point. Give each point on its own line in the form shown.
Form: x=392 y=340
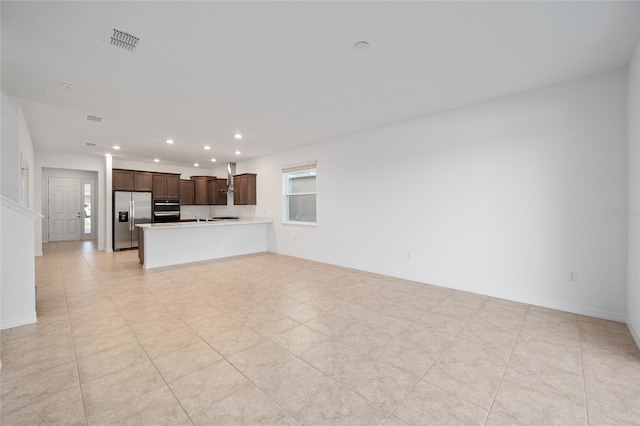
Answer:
x=65 y=209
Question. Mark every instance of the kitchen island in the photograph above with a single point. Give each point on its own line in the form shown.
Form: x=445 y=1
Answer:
x=165 y=244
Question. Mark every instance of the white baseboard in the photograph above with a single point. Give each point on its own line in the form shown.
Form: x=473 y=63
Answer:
x=596 y=313
x=581 y=310
x=16 y=322
x=634 y=334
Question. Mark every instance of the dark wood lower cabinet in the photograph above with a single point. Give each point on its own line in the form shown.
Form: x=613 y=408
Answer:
x=141 y=245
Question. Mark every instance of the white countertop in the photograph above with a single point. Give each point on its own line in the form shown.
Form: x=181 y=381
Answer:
x=224 y=222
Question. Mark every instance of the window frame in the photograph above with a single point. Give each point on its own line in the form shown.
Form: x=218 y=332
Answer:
x=286 y=194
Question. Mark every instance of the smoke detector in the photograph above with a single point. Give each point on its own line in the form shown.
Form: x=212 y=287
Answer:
x=93 y=118
x=122 y=39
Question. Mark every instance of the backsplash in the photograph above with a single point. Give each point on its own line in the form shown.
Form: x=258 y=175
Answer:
x=232 y=210
x=203 y=212
x=190 y=212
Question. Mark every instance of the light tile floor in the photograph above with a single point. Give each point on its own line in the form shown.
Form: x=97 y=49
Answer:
x=270 y=339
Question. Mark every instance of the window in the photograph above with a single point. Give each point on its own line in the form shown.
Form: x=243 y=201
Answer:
x=87 y=208
x=299 y=184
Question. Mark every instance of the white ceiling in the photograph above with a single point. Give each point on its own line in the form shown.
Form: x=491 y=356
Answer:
x=285 y=73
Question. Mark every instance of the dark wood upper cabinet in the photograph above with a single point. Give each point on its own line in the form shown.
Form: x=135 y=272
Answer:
x=122 y=180
x=244 y=186
x=143 y=181
x=173 y=187
x=131 y=180
x=217 y=191
x=159 y=186
x=200 y=192
x=187 y=191
x=166 y=186
x=162 y=185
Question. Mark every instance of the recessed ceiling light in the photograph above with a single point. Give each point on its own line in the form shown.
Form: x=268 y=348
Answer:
x=361 y=46
x=237 y=136
x=213 y=160
x=116 y=147
x=196 y=165
x=157 y=160
x=207 y=147
x=170 y=141
x=238 y=153
x=68 y=85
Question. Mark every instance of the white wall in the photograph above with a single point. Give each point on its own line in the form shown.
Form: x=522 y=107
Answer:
x=633 y=264
x=10 y=152
x=17 y=265
x=91 y=163
x=502 y=198
x=28 y=156
x=16 y=143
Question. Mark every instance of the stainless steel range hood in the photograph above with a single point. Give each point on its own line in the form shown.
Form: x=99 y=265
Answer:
x=231 y=170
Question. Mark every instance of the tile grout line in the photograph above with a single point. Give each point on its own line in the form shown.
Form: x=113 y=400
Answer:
x=74 y=288
x=151 y=361
x=230 y=363
x=515 y=342
x=268 y=339
x=438 y=357
x=360 y=359
x=143 y=348
x=332 y=339
x=584 y=378
x=73 y=342
x=224 y=312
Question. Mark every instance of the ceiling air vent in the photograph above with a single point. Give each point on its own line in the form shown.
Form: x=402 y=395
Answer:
x=122 y=39
x=89 y=144
x=93 y=118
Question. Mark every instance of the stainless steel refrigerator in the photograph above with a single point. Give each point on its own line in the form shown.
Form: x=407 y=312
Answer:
x=129 y=209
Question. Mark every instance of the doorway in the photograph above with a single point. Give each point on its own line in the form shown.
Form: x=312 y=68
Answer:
x=65 y=211
x=71 y=209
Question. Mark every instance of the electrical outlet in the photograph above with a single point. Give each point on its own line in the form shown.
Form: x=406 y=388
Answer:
x=573 y=276
x=408 y=255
